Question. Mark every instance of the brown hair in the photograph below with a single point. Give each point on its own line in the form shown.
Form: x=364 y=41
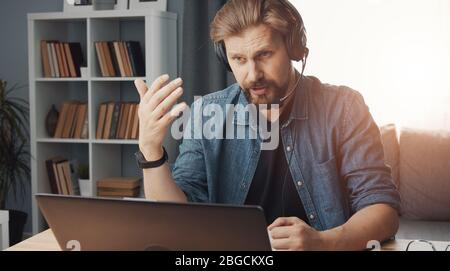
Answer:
x=236 y=15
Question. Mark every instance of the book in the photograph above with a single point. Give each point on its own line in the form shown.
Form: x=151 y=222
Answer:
x=61 y=120
x=115 y=119
x=54 y=59
x=52 y=173
x=101 y=120
x=67 y=130
x=101 y=59
x=64 y=60
x=105 y=192
x=119 y=183
x=108 y=120
x=77 y=56
x=50 y=59
x=135 y=132
x=74 y=122
x=114 y=58
x=136 y=57
x=70 y=62
x=128 y=129
x=45 y=59
x=81 y=118
x=108 y=58
x=119 y=58
x=61 y=178
x=59 y=58
x=130 y=55
x=126 y=59
x=123 y=123
x=68 y=177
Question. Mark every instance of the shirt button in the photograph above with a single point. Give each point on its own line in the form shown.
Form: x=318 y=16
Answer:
x=299 y=183
x=288 y=148
x=311 y=216
x=243 y=185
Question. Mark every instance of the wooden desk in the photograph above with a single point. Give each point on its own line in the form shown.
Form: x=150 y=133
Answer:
x=46 y=241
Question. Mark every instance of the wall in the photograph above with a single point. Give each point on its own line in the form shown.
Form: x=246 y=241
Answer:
x=396 y=53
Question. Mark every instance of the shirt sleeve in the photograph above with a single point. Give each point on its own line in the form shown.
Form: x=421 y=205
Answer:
x=189 y=170
x=367 y=178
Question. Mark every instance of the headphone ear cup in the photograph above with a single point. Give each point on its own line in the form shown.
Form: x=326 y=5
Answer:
x=221 y=53
x=296 y=39
x=294 y=45
x=297 y=43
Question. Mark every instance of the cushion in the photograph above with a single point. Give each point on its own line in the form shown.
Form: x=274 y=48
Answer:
x=425 y=175
x=391 y=150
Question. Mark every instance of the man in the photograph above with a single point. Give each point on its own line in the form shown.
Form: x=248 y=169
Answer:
x=324 y=187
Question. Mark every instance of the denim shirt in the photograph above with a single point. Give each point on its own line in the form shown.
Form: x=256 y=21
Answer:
x=337 y=164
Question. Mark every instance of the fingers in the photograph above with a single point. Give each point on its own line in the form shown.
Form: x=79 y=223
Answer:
x=156 y=86
x=147 y=93
x=141 y=87
x=173 y=114
x=159 y=82
x=167 y=103
x=161 y=94
x=281 y=232
x=283 y=221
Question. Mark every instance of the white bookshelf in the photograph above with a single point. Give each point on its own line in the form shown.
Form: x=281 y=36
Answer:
x=156 y=32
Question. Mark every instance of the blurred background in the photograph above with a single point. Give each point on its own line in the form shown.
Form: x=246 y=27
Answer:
x=396 y=53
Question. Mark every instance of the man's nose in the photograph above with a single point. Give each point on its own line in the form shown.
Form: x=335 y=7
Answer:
x=254 y=72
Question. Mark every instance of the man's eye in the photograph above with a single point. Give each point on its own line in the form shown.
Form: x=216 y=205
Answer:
x=266 y=54
x=239 y=59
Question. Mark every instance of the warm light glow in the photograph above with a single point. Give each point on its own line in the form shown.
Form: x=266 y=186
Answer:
x=396 y=53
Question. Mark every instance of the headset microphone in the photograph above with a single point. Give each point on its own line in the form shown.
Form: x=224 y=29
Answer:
x=294 y=87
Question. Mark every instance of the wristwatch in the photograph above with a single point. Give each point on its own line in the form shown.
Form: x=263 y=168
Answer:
x=143 y=164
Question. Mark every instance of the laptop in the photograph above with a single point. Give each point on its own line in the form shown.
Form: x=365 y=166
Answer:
x=118 y=224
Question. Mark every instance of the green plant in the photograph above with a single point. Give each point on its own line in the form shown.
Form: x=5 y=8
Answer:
x=83 y=171
x=14 y=154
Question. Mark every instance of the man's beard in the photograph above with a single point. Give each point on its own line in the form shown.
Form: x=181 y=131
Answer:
x=272 y=96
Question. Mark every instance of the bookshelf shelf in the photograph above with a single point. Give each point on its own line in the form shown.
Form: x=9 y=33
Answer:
x=157 y=36
x=42 y=79
x=101 y=79
x=115 y=141
x=62 y=140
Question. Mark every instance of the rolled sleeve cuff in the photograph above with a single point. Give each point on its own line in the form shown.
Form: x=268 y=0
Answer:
x=390 y=198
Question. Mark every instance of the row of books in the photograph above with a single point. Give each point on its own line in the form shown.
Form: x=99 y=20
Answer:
x=62 y=176
x=63 y=180
x=72 y=121
x=118 y=120
x=119 y=187
x=120 y=58
x=61 y=59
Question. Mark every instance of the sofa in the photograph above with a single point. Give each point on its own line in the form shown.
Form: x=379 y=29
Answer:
x=420 y=164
